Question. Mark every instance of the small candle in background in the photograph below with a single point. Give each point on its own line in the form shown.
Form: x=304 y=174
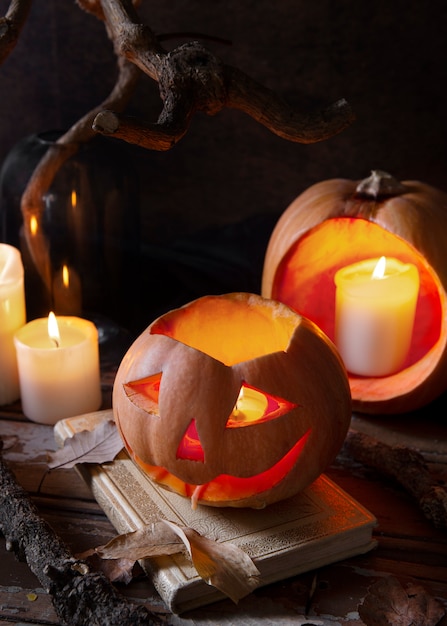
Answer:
x=67 y=293
x=58 y=368
x=12 y=317
x=375 y=309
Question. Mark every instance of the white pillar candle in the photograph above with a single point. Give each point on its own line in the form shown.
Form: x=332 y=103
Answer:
x=12 y=317
x=375 y=307
x=59 y=377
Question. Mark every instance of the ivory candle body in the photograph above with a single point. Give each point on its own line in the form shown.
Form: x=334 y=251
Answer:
x=12 y=317
x=58 y=381
x=374 y=317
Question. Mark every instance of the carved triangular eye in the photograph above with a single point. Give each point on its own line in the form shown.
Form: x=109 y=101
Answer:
x=190 y=447
x=254 y=406
x=144 y=392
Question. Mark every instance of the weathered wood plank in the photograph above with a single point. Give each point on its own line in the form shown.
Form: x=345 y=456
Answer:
x=27 y=606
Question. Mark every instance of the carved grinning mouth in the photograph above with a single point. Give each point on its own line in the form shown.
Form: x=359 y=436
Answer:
x=226 y=487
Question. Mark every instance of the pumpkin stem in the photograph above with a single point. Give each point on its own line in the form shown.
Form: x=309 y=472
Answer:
x=379 y=185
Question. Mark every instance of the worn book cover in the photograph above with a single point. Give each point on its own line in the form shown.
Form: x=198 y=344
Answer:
x=318 y=526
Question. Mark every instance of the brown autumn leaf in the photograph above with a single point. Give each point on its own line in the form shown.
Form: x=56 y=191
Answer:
x=222 y=565
x=151 y=540
x=225 y=566
x=116 y=570
x=388 y=603
x=99 y=445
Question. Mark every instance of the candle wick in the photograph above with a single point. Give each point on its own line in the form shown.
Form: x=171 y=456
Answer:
x=56 y=342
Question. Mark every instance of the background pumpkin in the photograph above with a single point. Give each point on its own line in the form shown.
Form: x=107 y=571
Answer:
x=178 y=385
x=338 y=222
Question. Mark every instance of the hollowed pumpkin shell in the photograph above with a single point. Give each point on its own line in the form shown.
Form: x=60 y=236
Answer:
x=177 y=390
x=339 y=222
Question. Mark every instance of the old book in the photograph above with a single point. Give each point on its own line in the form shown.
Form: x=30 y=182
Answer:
x=319 y=526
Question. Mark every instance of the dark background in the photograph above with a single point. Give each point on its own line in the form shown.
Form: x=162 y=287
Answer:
x=213 y=199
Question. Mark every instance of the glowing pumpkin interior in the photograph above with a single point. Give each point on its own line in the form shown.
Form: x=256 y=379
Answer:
x=195 y=327
x=304 y=280
x=247 y=331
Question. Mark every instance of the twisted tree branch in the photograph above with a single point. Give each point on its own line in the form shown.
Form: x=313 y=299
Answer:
x=192 y=79
x=79 y=596
x=405 y=466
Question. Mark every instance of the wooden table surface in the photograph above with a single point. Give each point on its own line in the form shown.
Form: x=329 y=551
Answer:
x=410 y=548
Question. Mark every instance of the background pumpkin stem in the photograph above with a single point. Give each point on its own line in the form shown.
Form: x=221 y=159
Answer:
x=380 y=184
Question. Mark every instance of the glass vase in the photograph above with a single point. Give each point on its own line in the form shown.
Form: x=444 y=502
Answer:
x=90 y=222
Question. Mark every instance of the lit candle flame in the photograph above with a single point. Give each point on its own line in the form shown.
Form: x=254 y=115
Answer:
x=53 y=329
x=74 y=199
x=251 y=405
x=65 y=277
x=379 y=270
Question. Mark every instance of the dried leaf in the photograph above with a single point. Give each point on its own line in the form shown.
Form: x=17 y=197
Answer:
x=151 y=540
x=223 y=565
x=116 y=570
x=119 y=570
x=388 y=603
x=99 y=445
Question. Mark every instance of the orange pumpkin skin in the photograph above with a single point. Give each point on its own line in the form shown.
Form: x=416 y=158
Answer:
x=204 y=352
x=338 y=222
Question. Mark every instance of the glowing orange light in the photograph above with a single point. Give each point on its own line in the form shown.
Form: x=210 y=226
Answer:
x=190 y=447
x=255 y=406
x=226 y=487
x=147 y=389
x=65 y=276
x=33 y=225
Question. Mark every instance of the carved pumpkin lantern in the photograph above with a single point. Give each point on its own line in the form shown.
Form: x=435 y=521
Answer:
x=232 y=400
x=337 y=224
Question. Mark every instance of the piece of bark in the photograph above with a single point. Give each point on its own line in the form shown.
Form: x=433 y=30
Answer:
x=405 y=466
x=79 y=596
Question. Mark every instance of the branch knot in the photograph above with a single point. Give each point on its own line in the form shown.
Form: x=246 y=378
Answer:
x=191 y=69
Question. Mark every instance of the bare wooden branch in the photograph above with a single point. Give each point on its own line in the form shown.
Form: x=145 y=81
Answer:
x=11 y=26
x=192 y=79
x=405 y=466
x=94 y=7
x=269 y=109
x=79 y=596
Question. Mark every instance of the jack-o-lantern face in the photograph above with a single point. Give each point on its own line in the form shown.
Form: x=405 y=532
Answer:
x=232 y=400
